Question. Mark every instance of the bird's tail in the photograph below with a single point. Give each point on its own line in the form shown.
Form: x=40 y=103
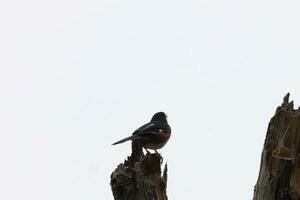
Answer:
x=126 y=139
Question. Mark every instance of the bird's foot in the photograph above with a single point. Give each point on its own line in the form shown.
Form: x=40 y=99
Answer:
x=148 y=152
x=160 y=157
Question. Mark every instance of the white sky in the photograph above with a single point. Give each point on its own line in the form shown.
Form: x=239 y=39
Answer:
x=75 y=76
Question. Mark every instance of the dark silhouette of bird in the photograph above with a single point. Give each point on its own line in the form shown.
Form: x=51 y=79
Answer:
x=153 y=135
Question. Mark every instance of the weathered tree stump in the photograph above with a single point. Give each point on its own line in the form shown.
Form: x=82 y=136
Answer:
x=140 y=179
x=279 y=176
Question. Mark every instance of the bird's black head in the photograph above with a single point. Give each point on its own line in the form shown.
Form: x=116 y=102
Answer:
x=160 y=116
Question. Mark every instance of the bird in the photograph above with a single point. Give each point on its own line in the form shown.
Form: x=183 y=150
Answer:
x=153 y=135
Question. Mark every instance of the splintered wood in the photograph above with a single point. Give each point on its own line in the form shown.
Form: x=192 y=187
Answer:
x=279 y=176
x=140 y=179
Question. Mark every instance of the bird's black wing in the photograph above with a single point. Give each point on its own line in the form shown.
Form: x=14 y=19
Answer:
x=151 y=128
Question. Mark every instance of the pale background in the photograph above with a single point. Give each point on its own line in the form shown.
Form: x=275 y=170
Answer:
x=78 y=75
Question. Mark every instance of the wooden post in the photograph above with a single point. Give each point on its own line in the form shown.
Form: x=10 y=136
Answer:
x=279 y=176
x=139 y=178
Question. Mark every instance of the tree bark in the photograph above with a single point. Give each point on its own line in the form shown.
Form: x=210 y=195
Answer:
x=139 y=178
x=279 y=176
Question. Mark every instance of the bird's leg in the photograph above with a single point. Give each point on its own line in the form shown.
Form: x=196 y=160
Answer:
x=161 y=158
x=148 y=152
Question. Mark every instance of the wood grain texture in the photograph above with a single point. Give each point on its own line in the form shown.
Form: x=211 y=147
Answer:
x=140 y=179
x=279 y=176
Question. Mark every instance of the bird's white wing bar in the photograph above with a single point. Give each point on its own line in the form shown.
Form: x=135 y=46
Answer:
x=148 y=126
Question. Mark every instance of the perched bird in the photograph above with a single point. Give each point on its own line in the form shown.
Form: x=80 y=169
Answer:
x=153 y=135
